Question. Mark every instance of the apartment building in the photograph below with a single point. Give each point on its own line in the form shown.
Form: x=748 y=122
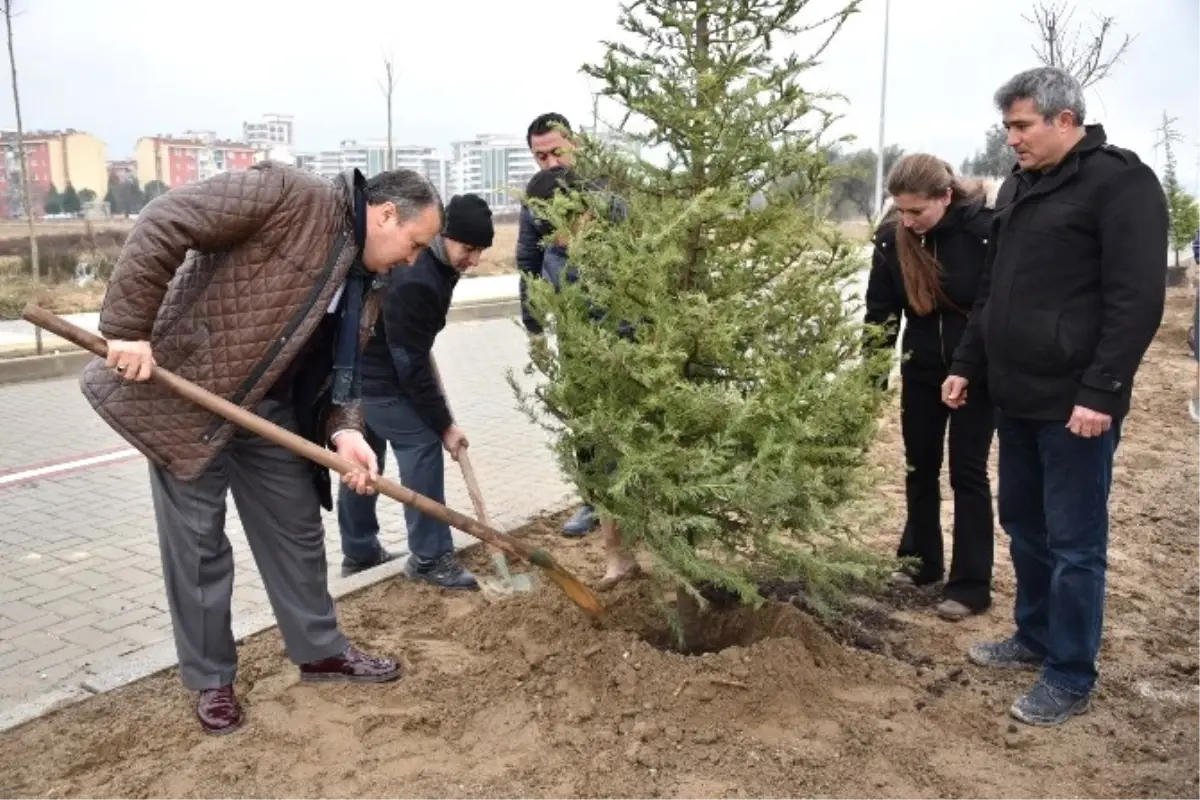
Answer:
x=371 y=157
x=123 y=170
x=53 y=158
x=269 y=132
x=614 y=139
x=177 y=160
x=494 y=166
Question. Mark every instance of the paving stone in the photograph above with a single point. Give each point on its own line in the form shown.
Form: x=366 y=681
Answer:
x=91 y=638
x=118 y=621
x=96 y=660
x=66 y=607
x=140 y=633
x=37 y=642
x=63 y=656
x=90 y=617
x=19 y=610
x=42 y=622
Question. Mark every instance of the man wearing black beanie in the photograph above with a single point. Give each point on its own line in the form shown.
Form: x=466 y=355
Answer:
x=404 y=405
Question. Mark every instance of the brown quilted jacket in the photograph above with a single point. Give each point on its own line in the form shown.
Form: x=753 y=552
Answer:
x=227 y=278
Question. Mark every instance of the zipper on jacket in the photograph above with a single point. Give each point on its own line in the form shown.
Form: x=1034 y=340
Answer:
x=277 y=346
x=940 y=318
x=941 y=341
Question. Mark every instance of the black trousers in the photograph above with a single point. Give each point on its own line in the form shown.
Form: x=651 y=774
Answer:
x=924 y=419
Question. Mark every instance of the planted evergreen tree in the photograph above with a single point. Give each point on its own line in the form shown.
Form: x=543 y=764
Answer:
x=729 y=432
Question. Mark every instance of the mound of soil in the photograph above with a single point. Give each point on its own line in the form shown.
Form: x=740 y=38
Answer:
x=526 y=697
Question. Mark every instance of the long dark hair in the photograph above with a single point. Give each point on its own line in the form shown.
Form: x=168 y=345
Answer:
x=927 y=176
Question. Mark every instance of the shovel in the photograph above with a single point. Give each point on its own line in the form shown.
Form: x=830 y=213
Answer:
x=580 y=594
x=508 y=582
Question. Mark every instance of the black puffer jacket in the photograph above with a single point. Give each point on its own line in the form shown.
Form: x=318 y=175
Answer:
x=959 y=243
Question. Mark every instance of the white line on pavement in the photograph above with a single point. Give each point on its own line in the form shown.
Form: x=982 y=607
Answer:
x=64 y=466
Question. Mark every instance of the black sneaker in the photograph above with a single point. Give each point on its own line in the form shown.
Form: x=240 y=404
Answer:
x=1046 y=705
x=352 y=567
x=1005 y=654
x=444 y=571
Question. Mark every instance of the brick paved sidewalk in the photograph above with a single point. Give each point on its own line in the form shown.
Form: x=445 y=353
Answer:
x=80 y=578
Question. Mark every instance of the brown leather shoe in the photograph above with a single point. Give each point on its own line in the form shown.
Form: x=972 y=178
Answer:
x=219 y=711
x=352 y=666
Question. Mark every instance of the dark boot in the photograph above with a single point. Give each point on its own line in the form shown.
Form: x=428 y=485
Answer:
x=352 y=567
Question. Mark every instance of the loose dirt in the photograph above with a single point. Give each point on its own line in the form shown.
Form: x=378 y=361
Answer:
x=526 y=698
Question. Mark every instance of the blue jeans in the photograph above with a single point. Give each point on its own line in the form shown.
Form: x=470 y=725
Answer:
x=1053 y=505
x=418 y=451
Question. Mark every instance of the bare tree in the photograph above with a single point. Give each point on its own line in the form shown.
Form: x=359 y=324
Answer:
x=33 y=243
x=1088 y=54
x=386 y=86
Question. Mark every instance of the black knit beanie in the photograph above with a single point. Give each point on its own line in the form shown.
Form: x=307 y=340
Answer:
x=469 y=221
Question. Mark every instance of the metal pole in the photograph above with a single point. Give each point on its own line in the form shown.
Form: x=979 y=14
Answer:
x=887 y=8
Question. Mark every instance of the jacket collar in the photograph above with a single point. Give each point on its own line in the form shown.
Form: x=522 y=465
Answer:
x=348 y=184
x=441 y=259
x=1093 y=139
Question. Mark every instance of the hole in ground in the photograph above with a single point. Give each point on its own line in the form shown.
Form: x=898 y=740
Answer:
x=786 y=614
x=727 y=623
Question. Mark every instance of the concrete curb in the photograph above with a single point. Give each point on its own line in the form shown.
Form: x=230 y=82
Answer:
x=479 y=310
x=156 y=658
x=41 y=705
x=69 y=360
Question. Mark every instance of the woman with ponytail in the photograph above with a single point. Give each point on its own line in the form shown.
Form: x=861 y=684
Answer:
x=928 y=262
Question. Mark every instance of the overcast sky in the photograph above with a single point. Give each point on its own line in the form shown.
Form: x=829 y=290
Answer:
x=128 y=68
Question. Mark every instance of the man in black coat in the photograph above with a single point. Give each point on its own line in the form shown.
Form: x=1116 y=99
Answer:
x=1073 y=295
x=404 y=405
x=550 y=141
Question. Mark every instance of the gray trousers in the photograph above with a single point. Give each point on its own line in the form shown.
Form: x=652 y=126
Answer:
x=281 y=515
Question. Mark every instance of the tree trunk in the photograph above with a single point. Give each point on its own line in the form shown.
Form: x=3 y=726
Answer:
x=33 y=243
x=389 y=76
x=689 y=615
x=1177 y=276
x=694 y=266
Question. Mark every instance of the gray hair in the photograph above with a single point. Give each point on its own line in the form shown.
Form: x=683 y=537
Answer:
x=1052 y=90
x=410 y=191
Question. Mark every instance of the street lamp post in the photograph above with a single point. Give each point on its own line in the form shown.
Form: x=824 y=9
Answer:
x=887 y=8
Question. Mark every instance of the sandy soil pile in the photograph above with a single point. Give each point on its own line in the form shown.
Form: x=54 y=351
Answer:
x=527 y=698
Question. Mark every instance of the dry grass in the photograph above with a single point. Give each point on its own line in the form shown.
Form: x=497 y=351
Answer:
x=67 y=298
x=857 y=229
x=500 y=258
x=61 y=298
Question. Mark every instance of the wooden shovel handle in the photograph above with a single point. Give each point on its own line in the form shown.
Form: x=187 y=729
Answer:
x=464 y=460
x=284 y=438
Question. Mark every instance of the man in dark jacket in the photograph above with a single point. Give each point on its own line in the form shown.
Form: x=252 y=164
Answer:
x=549 y=140
x=1072 y=297
x=404 y=404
